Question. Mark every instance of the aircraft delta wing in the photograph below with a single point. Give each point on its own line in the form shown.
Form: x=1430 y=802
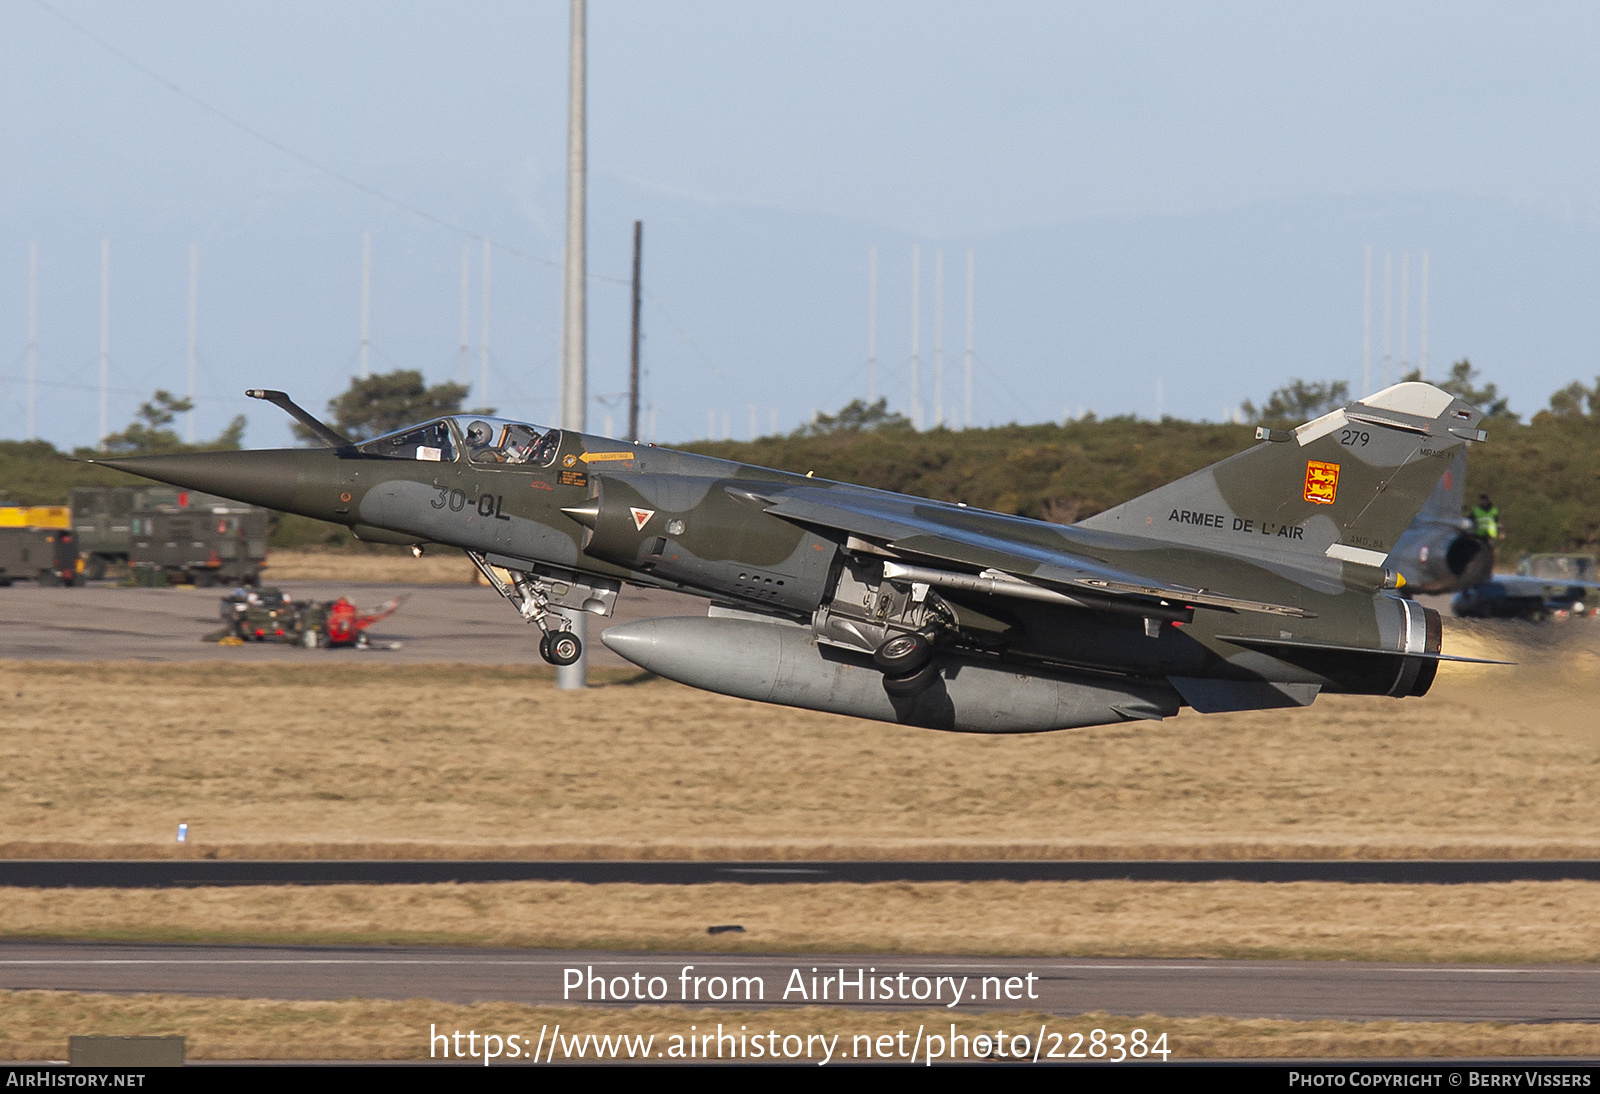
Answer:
x=1257 y=582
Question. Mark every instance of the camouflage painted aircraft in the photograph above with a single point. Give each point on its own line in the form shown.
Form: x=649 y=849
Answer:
x=1258 y=582
x=1440 y=552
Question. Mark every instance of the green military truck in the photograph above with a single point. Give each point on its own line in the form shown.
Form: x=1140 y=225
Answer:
x=47 y=556
x=163 y=535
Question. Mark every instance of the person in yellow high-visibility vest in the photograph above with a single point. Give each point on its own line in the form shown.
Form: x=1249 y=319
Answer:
x=1486 y=518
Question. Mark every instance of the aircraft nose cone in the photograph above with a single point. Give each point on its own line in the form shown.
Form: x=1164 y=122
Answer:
x=276 y=479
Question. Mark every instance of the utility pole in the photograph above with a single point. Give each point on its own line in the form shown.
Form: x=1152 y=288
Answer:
x=1366 y=328
x=872 y=325
x=938 y=339
x=916 y=323
x=966 y=421
x=1422 y=348
x=463 y=368
x=33 y=330
x=194 y=331
x=105 y=337
x=483 y=333
x=633 y=354
x=366 y=304
x=574 y=312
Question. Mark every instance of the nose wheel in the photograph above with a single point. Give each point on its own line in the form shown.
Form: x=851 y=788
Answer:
x=530 y=595
x=561 y=648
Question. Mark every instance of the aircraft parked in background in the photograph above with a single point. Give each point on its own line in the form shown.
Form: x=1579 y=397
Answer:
x=1440 y=552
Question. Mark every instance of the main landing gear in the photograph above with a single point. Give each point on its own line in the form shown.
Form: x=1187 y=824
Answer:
x=907 y=663
x=530 y=595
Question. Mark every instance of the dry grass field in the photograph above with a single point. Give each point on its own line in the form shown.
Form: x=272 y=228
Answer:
x=35 y=1025
x=422 y=761
x=104 y=760
x=1527 y=922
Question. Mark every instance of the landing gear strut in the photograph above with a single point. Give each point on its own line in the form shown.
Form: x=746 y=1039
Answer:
x=530 y=595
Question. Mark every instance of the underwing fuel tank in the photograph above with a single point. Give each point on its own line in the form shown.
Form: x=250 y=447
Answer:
x=779 y=662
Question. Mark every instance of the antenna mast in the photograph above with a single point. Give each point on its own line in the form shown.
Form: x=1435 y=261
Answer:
x=872 y=324
x=483 y=333
x=1366 y=328
x=633 y=355
x=966 y=420
x=105 y=336
x=194 y=331
x=1388 y=298
x=1422 y=350
x=366 y=304
x=1405 y=310
x=916 y=323
x=938 y=339
x=462 y=366
x=33 y=330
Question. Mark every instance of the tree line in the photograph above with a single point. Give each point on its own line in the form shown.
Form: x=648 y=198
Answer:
x=1543 y=473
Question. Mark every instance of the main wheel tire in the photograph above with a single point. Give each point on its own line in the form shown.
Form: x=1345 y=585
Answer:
x=95 y=568
x=915 y=682
x=562 y=648
x=903 y=653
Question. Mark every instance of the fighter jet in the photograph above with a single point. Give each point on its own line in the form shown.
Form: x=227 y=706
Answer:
x=1440 y=552
x=1259 y=582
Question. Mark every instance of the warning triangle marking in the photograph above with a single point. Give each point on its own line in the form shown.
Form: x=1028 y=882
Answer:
x=641 y=517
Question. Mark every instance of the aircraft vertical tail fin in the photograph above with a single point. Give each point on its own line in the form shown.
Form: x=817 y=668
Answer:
x=1337 y=490
x=1448 y=500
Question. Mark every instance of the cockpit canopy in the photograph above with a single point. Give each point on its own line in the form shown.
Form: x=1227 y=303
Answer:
x=495 y=440
x=485 y=440
x=433 y=441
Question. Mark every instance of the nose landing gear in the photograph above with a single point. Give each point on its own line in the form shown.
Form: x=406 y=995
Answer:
x=561 y=648
x=530 y=595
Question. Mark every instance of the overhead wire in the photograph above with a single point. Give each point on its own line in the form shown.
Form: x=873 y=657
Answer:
x=300 y=157
x=372 y=191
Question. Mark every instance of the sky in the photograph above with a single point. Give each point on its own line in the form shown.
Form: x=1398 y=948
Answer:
x=949 y=126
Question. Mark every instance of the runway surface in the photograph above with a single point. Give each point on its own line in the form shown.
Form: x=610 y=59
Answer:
x=1302 y=990
x=452 y=624
x=166 y=873
x=465 y=624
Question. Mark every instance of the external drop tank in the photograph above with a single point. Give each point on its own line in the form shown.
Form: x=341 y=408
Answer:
x=779 y=662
